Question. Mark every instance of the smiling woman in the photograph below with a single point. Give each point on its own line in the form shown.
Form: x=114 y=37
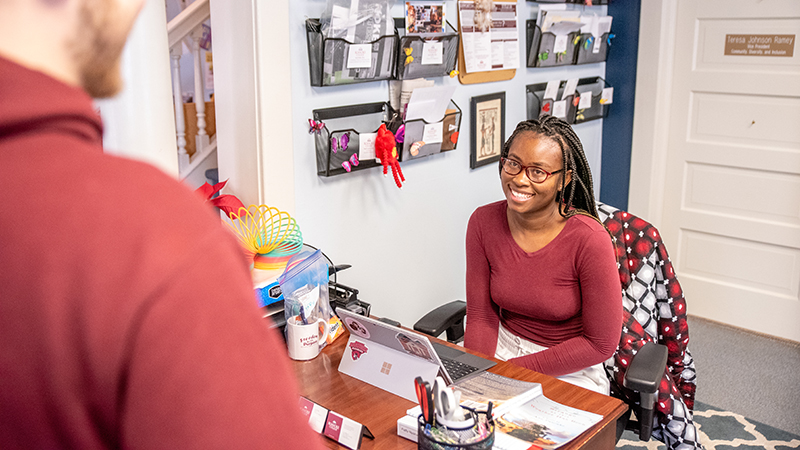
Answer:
x=542 y=284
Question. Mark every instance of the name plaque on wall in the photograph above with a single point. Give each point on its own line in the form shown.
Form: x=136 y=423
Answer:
x=759 y=44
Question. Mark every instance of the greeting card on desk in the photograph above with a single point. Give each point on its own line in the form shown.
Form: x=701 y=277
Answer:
x=341 y=429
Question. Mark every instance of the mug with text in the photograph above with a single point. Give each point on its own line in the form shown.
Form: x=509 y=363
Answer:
x=305 y=341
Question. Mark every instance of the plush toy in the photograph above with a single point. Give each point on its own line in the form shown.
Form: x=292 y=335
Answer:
x=386 y=151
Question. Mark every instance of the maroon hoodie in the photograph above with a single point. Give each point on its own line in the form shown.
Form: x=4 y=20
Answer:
x=127 y=316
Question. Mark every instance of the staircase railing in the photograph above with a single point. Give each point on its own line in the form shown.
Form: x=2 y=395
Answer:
x=187 y=28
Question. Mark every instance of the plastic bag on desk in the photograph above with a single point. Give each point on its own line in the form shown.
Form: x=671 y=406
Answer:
x=371 y=20
x=304 y=284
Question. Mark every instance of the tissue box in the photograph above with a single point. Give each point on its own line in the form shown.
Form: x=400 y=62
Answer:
x=266 y=287
x=407 y=428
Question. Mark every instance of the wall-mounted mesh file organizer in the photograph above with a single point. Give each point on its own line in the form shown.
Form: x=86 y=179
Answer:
x=590 y=94
x=586 y=104
x=332 y=61
x=359 y=123
x=548 y=50
x=426 y=57
x=439 y=136
x=539 y=106
x=592 y=49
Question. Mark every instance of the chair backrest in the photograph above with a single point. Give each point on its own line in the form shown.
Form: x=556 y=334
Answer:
x=653 y=301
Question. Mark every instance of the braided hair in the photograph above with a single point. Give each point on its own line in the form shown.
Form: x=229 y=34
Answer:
x=577 y=197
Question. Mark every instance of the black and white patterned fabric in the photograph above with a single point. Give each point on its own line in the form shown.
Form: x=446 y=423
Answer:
x=654 y=310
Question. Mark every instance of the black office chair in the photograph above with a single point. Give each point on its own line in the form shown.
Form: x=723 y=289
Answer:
x=654 y=314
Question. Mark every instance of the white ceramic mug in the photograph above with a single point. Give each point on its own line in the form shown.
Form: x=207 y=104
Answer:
x=305 y=341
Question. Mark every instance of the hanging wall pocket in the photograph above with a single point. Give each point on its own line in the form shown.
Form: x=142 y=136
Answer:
x=593 y=99
x=547 y=99
x=431 y=137
x=550 y=48
x=346 y=141
x=336 y=61
x=426 y=56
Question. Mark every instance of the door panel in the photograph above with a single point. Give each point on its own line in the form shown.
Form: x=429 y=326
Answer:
x=732 y=189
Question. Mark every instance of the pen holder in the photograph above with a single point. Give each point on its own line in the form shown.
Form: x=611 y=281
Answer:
x=477 y=437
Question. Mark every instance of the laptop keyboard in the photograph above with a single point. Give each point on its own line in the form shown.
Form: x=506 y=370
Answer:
x=457 y=369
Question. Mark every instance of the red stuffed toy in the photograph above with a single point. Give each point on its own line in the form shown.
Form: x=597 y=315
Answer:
x=386 y=151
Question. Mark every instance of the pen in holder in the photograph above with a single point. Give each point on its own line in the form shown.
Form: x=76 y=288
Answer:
x=476 y=433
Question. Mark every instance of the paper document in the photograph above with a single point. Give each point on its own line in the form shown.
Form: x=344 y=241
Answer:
x=400 y=91
x=429 y=103
x=495 y=49
x=503 y=392
x=541 y=422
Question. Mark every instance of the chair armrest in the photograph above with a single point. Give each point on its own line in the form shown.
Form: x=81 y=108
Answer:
x=448 y=317
x=644 y=375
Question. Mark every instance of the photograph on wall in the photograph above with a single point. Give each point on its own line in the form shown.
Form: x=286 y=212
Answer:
x=424 y=17
x=488 y=128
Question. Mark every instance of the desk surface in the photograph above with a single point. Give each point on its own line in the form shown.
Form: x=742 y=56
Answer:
x=320 y=381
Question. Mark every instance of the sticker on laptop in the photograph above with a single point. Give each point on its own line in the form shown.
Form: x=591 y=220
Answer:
x=356 y=327
x=357 y=349
x=414 y=347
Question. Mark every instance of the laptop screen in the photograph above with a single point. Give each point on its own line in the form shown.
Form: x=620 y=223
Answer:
x=399 y=339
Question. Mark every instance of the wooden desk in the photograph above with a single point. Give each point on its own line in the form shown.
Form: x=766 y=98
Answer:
x=321 y=382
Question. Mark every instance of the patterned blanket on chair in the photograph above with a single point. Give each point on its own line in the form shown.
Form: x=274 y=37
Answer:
x=654 y=310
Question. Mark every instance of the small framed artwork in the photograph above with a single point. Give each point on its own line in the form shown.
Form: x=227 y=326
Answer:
x=488 y=130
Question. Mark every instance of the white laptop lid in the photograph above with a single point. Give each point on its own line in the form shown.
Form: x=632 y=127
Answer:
x=387 y=356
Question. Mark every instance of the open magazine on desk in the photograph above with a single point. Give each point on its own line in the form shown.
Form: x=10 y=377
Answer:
x=523 y=415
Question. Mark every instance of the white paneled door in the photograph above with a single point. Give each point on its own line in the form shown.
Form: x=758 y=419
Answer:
x=731 y=214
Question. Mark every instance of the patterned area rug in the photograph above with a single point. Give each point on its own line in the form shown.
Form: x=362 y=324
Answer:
x=724 y=430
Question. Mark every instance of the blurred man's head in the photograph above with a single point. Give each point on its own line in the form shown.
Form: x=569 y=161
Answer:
x=77 y=41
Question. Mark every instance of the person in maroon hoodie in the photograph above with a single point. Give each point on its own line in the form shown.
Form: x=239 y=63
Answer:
x=127 y=315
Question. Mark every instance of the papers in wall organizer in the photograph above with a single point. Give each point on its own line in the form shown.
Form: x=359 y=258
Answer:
x=560 y=109
x=551 y=91
x=496 y=49
x=400 y=91
x=586 y=100
x=366 y=146
x=560 y=21
x=569 y=88
x=607 y=96
x=429 y=103
x=432 y=53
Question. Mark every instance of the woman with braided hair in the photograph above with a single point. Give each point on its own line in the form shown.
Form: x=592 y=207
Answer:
x=542 y=285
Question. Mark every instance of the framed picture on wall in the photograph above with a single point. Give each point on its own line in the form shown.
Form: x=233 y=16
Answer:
x=488 y=130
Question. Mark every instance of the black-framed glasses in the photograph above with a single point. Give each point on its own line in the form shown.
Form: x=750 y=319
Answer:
x=535 y=174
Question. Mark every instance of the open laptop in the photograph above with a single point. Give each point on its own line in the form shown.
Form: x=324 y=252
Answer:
x=391 y=358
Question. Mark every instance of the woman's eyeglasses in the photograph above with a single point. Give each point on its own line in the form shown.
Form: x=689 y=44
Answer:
x=535 y=174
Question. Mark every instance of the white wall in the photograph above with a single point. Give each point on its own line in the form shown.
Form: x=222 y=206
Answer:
x=140 y=121
x=406 y=246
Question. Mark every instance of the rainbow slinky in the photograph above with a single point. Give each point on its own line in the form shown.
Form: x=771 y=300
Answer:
x=270 y=237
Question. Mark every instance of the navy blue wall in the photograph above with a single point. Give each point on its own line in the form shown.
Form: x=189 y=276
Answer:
x=618 y=126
